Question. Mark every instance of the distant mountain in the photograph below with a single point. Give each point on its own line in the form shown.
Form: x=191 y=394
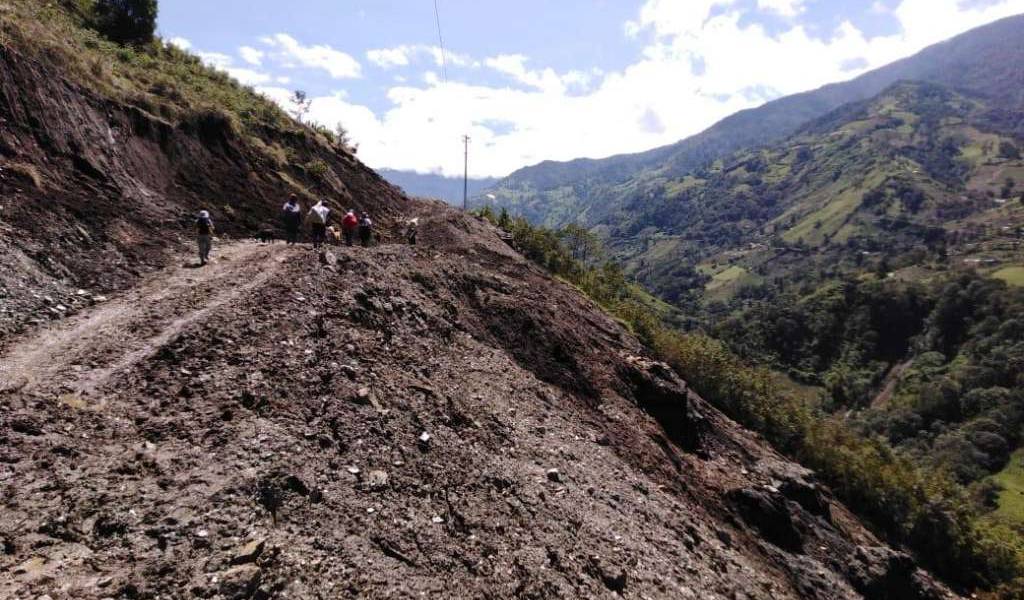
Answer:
x=985 y=61
x=917 y=169
x=448 y=189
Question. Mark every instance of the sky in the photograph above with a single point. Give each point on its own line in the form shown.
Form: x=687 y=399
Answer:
x=535 y=80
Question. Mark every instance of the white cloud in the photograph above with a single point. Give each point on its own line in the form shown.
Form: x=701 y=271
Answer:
x=251 y=55
x=700 y=62
x=180 y=42
x=405 y=55
x=291 y=53
x=226 y=63
x=217 y=60
x=786 y=8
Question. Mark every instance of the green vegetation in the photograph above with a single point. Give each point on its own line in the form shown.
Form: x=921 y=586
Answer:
x=920 y=505
x=108 y=46
x=1009 y=485
x=1011 y=275
x=125 y=21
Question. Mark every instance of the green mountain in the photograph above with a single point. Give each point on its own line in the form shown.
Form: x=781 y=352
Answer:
x=429 y=185
x=917 y=169
x=984 y=61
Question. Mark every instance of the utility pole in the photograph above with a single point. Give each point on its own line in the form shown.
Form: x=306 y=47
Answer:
x=465 y=174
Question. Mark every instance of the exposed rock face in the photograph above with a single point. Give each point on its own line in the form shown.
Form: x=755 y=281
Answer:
x=440 y=420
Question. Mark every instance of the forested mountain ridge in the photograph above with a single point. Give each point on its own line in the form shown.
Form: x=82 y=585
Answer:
x=444 y=188
x=918 y=168
x=985 y=61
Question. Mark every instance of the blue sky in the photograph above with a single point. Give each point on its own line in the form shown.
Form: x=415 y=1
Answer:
x=534 y=80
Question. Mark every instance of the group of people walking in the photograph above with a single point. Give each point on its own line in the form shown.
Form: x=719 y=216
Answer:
x=319 y=220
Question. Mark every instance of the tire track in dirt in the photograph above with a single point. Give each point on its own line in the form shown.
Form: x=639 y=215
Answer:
x=80 y=354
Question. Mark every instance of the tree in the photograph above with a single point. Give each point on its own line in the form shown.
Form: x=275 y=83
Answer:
x=126 y=21
x=1008 y=150
x=341 y=135
x=302 y=104
x=584 y=245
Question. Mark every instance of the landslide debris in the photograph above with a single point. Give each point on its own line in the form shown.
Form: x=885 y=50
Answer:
x=441 y=419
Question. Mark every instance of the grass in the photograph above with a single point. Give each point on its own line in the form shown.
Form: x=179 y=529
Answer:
x=829 y=219
x=1012 y=275
x=27 y=171
x=158 y=78
x=1011 y=498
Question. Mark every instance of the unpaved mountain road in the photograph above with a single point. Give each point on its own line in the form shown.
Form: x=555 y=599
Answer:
x=78 y=354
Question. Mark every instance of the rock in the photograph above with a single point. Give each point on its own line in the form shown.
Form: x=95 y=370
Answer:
x=249 y=552
x=424 y=439
x=377 y=480
x=328 y=258
x=807 y=495
x=353 y=470
x=770 y=515
x=554 y=475
x=240 y=582
x=362 y=396
x=878 y=572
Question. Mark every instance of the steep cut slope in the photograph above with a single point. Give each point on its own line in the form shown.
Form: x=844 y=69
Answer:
x=438 y=420
x=984 y=61
x=98 y=189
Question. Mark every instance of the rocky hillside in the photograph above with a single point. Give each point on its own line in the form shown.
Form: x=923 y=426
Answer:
x=106 y=154
x=984 y=62
x=400 y=421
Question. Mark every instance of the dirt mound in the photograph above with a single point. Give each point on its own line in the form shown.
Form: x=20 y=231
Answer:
x=412 y=420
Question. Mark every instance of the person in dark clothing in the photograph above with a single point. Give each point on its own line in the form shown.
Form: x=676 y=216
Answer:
x=365 y=229
x=291 y=215
x=349 y=225
x=204 y=236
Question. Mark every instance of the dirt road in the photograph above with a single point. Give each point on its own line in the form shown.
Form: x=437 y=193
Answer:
x=76 y=355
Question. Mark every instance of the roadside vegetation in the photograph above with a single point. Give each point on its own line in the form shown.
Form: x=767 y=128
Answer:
x=109 y=46
x=926 y=505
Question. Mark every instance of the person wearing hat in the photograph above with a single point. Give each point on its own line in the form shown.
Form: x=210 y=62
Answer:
x=291 y=215
x=204 y=236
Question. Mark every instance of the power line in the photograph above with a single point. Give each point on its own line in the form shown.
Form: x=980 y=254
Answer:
x=440 y=40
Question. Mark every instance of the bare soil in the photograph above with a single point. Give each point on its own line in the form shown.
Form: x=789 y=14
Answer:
x=438 y=420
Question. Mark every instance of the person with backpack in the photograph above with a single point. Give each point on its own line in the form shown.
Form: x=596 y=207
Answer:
x=204 y=236
x=291 y=216
x=365 y=229
x=349 y=225
x=318 y=218
x=411 y=228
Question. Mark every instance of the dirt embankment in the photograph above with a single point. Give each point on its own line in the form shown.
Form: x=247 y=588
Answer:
x=95 y=193
x=440 y=420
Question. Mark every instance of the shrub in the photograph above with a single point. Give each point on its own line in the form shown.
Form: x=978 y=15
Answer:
x=126 y=21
